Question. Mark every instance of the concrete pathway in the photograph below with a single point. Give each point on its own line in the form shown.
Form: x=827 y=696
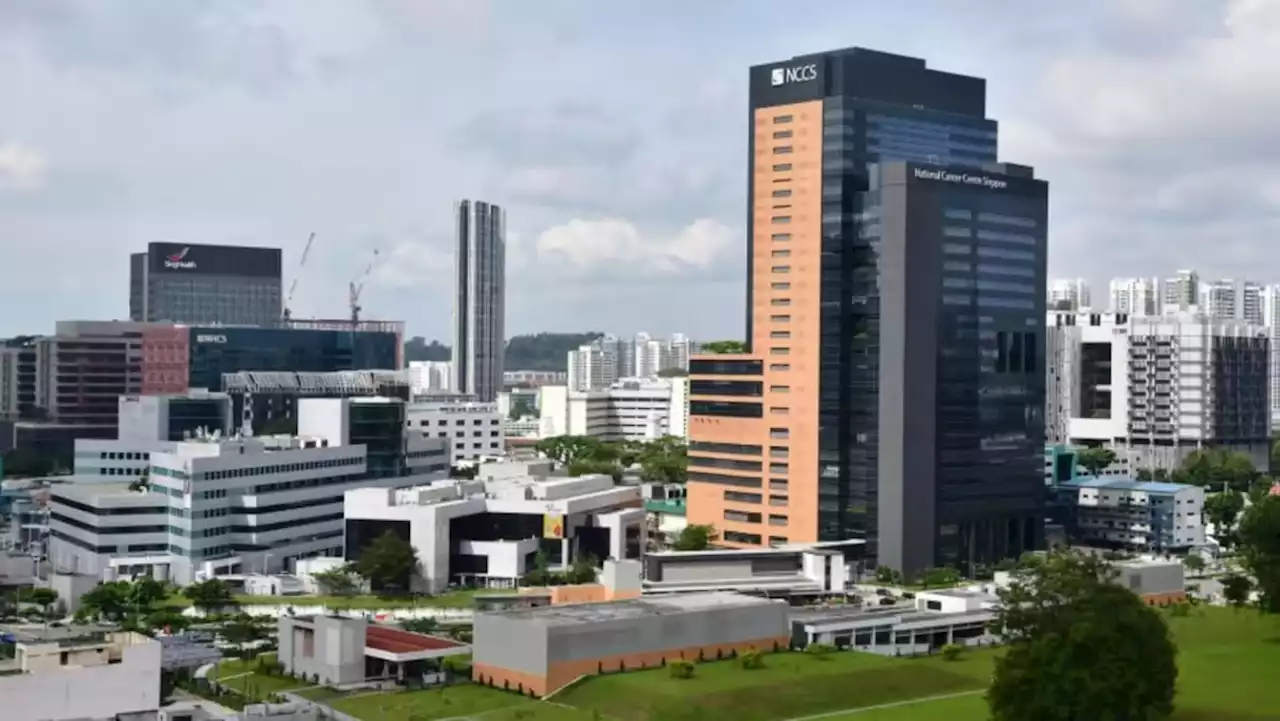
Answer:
x=877 y=707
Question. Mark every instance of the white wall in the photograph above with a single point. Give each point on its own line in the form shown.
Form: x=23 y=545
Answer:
x=86 y=692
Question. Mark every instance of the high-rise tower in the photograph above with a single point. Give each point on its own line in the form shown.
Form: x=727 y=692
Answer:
x=479 y=301
x=894 y=386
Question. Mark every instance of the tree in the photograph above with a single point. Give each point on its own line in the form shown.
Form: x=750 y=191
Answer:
x=1193 y=563
x=146 y=593
x=939 y=577
x=583 y=570
x=723 y=347
x=591 y=466
x=665 y=460
x=167 y=618
x=1275 y=456
x=1095 y=460
x=1222 y=510
x=539 y=575
x=44 y=598
x=695 y=537
x=1217 y=468
x=1260 y=488
x=336 y=582
x=1235 y=589
x=210 y=595
x=1079 y=647
x=389 y=562
x=420 y=625
x=109 y=601
x=1258 y=539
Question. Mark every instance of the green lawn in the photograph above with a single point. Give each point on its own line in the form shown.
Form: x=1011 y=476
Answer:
x=230 y=673
x=451 y=702
x=791 y=684
x=452 y=599
x=1226 y=663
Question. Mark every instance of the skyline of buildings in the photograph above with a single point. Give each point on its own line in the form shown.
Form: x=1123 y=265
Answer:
x=892 y=389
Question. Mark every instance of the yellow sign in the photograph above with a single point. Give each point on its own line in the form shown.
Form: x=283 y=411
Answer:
x=553 y=526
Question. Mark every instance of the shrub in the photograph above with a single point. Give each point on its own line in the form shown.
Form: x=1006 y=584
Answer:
x=680 y=669
x=751 y=660
x=819 y=650
x=952 y=652
x=1180 y=609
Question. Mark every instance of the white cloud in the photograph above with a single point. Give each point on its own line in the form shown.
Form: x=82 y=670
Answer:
x=21 y=168
x=586 y=246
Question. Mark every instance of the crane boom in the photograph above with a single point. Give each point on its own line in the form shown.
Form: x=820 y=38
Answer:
x=293 y=287
x=356 y=287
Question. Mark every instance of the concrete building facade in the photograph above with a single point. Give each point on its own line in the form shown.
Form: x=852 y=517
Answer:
x=473 y=431
x=82 y=675
x=630 y=409
x=488 y=531
x=1157 y=388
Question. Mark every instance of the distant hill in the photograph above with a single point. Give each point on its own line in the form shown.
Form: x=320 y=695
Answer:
x=540 y=352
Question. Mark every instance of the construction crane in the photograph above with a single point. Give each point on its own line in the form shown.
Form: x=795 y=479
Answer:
x=356 y=287
x=293 y=287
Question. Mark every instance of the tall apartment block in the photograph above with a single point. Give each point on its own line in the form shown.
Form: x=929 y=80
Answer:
x=1069 y=294
x=1134 y=296
x=894 y=387
x=206 y=284
x=1157 y=388
x=479 y=302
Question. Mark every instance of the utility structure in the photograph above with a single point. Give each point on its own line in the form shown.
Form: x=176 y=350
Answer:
x=356 y=287
x=293 y=287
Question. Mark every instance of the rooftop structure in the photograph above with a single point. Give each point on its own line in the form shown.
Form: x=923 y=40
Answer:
x=79 y=673
x=812 y=570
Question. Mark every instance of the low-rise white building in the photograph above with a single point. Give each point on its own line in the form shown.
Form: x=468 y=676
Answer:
x=473 y=430
x=219 y=506
x=488 y=531
x=631 y=409
x=67 y=674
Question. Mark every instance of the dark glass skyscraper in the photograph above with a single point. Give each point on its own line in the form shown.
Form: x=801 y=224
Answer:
x=479 y=305
x=208 y=284
x=810 y=432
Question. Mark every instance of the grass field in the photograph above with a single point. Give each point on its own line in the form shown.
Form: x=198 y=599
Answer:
x=231 y=673
x=791 y=684
x=455 y=702
x=1226 y=663
x=452 y=599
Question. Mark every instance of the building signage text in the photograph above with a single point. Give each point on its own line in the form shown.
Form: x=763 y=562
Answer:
x=798 y=74
x=211 y=339
x=178 y=261
x=985 y=181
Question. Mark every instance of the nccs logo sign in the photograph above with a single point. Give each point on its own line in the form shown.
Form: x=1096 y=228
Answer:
x=799 y=74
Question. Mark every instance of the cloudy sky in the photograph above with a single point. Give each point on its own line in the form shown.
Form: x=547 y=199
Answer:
x=614 y=132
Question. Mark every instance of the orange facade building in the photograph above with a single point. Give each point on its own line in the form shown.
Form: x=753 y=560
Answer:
x=892 y=388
